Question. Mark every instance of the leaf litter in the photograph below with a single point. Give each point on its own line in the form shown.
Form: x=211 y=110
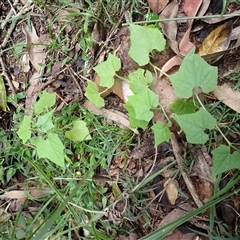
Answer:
x=165 y=91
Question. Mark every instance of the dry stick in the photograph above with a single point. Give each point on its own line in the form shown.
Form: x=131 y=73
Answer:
x=190 y=186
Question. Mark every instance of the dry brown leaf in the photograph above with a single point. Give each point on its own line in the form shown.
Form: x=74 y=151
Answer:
x=33 y=91
x=177 y=234
x=24 y=63
x=204 y=7
x=229 y=96
x=65 y=16
x=119 y=118
x=172 y=62
x=218 y=40
x=176 y=213
x=170 y=27
x=171 y=190
x=35 y=47
x=191 y=8
x=157 y=5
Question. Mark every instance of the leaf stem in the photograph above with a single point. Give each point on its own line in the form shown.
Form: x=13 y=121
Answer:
x=160 y=70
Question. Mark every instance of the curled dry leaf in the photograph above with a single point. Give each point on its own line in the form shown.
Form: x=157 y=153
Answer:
x=190 y=8
x=171 y=190
x=35 y=47
x=170 y=27
x=24 y=63
x=229 y=96
x=218 y=40
x=157 y=5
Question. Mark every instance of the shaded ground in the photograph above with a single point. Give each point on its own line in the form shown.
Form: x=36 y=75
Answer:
x=73 y=46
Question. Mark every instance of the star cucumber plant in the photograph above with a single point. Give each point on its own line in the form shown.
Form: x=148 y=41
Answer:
x=188 y=111
x=38 y=131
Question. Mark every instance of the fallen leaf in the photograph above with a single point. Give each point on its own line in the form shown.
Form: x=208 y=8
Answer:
x=24 y=63
x=218 y=40
x=170 y=27
x=175 y=214
x=157 y=5
x=204 y=7
x=191 y=8
x=120 y=118
x=35 y=47
x=228 y=96
x=177 y=234
x=171 y=190
x=172 y=62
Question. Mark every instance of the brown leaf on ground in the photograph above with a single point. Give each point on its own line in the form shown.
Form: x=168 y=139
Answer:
x=229 y=96
x=191 y=8
x=170 y=27
x=218 y=40
x=172 y=62
x=157 y=5
x=171 y=190
x=177 y=234
x=176 y=213
x=118 y=117
x=35 y=47
x=204 y=7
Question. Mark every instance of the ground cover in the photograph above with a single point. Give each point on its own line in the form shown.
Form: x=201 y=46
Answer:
x=119 y=119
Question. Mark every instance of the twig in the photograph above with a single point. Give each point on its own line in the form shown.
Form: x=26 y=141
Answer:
x=190 y=186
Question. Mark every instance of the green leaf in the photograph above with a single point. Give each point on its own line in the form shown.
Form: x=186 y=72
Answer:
x=195 y=124
x=93 y=95
x=224 y=161
x=194 y=72
x=24 y=132
x=142 y=103
x=46 y=101
x=143 y=41
x=44 y=122
x=140 y=80
x=161 y=133
x=3 y=95
x=107 y=70
x=79 y=132
x=183 y=106
x=51 y=148
x=132 y=118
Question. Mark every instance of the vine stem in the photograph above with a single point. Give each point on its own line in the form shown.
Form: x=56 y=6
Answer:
x=217 y=127
x=183 y=18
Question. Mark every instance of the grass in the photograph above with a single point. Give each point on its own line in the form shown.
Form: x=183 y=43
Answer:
x=79 y=198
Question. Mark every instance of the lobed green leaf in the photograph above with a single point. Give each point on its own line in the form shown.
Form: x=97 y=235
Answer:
x=142 y=104
x=107 y=70
x=195 y=124
x=161 y=133
x=24 y=132
x=51 y=148
x=93 y=95
x=46 y=101
x=79 y=132
x=143 y=41
x=194 y=72
x=224 y=160
x=139 y=80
